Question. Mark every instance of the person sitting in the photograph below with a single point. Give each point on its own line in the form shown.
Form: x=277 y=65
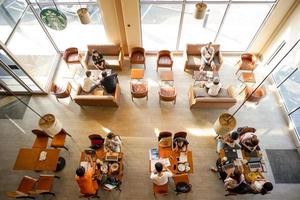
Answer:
x=261 y=186
x=249 y=141
x=235 y=182
x=207 y=56
x=109 y=82
x=98 y=60
x=84 y=177
x=112 y=143
x=180 y=144
x=229 y=140
x=215 y=88
x=89 y=84
x=158 y=176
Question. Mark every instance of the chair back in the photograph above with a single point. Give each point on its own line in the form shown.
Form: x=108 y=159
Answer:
x=160 y=189
x=39 y=133
x=138 y=49
x=181 y=134
x=247 y=56
x=164 y=53
x=165 y=139
x=71 y=50
x=27 y=184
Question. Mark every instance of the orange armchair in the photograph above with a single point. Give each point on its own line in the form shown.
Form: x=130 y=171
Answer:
x=164 y=59
x=247 y=62
x=25 y=189
x=71 y=56
x=137 y=56
x=59 y=92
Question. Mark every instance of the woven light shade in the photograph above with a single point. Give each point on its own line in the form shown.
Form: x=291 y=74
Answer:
x=224 y=124
x=200 y=10
x=50 y=124
x=84 y=15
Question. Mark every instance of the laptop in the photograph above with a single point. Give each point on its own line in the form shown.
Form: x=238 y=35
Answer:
x=254 y=164
x=231 y=153
x=112 y=156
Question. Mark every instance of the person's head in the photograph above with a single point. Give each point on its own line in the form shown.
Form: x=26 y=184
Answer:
x=158 y=167
x=88 y=73
x=267 y=187
x=234 y=135
x=110 y=135
x=216 y=81
x=180 y=144
x=254 y=141
x=236 y=175
x=80 y=171
x=95 y=52
x=104 y=74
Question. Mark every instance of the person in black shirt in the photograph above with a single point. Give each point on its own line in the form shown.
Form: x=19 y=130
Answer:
x=98 y=60
x=109 y=82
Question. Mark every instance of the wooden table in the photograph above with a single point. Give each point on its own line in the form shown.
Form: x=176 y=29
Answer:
x=166 y=77
x=137 y=74
x=100 y=154
x=202 y=76
x=28 y=159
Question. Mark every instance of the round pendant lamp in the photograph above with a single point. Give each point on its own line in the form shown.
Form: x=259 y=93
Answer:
x=200 y=10
x=224 y=124
x=83 y=14
x=50 y=124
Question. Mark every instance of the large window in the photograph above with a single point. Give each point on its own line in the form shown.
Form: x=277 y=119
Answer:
x=287 y=79
x=77 y=34
x=171 y=25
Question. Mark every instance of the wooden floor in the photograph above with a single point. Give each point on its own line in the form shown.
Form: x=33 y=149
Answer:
x=138 y=123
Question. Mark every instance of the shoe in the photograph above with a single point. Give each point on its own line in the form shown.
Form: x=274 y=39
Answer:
x=213 y=169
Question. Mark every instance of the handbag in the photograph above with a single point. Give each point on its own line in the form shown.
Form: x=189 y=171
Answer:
x=183 y=187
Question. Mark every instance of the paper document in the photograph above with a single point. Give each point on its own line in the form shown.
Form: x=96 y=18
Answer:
x=183 y=157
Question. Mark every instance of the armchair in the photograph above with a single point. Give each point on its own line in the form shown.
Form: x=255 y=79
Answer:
x=71 y=56
x=25 y=189
x=60 y=92
x=164 y=59
x=137 y=56
x=247 y=62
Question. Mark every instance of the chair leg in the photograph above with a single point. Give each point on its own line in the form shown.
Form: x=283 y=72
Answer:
x=71 y=98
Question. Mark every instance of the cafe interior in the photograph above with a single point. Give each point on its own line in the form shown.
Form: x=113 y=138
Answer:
x=150 y=99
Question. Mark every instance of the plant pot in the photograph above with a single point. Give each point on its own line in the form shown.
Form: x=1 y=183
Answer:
x=84 y=15
x=200 y=10
x=224 y=124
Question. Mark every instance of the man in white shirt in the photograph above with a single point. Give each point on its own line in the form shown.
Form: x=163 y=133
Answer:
x=89 y=84
x=207 y=56
x=215 y=88
x=159 y=177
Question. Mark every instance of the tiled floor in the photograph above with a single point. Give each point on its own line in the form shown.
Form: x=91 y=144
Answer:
x=138 y=123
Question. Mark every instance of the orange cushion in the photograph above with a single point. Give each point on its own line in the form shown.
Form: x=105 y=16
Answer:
x=167 y=91
x=139 y=87
x=73 y=58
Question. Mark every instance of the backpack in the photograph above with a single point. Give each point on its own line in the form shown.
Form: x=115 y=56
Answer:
x=183 y=187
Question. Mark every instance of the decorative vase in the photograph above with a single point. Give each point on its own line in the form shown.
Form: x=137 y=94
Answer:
x=200 y=10
x=84 y=15
x=50 y=124
x=224 y=124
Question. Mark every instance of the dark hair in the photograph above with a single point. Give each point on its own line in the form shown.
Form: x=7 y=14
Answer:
x=104 y=73
x=95 y=51
x=88 y=73
x=236 y=175
x=254 y=141
x=158 y=167
x=268 y=186
x=234 y=135
x=110 y=135
x=80 y=171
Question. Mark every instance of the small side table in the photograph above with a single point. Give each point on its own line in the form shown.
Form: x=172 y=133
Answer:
x=167 y=77
x=247 y=77
x=137 y=74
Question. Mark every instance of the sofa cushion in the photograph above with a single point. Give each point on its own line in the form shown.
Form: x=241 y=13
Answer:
x=167 y=91
x=202 y=92
x=73 y=58
x=165 y=61
x=194 y=61
x=139 y=87
x=109 y=49
x=109 y=61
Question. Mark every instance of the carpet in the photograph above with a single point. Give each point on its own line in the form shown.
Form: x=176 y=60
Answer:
x=285 y=165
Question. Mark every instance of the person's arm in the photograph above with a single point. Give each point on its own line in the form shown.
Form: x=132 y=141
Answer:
x=153 y=175
x=212 y=54
x=203 y=53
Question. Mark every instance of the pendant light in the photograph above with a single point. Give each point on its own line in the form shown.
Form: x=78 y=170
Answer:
x=200 y=10
x=83 y=14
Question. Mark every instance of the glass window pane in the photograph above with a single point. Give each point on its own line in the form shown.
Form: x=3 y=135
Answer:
x=160 y=23
x=201 y=31
x=19 y=72
x=77 y=34
x=10 y=82
x=241 y=24
x=296 y=120
x=33 y=49
x=287 y=65
x=10 y=12
x=289 y=91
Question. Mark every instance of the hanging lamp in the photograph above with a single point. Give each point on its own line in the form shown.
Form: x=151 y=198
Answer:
x=83 y=14
x=200 y=10
x=53 y=18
